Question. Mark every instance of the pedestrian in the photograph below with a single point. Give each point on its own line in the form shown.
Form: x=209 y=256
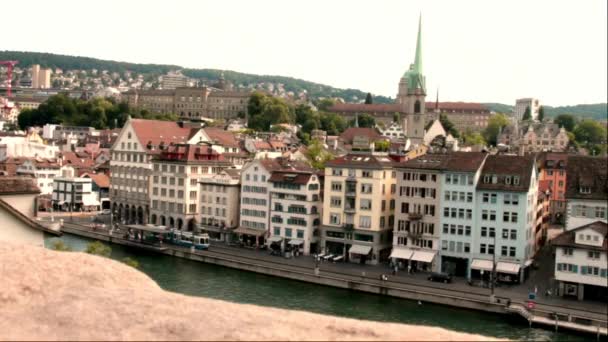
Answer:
x=535 y=290
x=409 y=269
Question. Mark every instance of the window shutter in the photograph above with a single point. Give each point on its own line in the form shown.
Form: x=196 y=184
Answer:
x=583 y=270
x=575 y=268
x=603 y=272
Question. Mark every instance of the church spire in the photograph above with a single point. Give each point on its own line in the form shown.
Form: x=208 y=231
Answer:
x=418 y=58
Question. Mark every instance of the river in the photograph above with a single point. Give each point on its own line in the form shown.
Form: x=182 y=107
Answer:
x=211 y=281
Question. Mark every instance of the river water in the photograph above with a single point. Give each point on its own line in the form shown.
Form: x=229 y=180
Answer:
x=211 y=281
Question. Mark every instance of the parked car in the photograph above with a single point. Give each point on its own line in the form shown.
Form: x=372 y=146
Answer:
x=440 y=277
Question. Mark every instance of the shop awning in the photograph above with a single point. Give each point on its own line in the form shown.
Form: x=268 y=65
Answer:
x=401 y=253
x=249 y=231
x=507 y=267
x=88 y=201
x=424 y=256
x=275 y=239
x=296 y=242
x=482 y=265
x=360 y=249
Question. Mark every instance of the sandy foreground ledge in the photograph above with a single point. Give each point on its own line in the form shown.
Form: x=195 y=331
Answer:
x=48 y=295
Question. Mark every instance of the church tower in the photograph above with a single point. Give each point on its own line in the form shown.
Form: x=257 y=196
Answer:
x=412 y=94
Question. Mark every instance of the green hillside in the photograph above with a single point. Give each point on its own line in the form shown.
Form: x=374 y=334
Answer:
x=315 y=90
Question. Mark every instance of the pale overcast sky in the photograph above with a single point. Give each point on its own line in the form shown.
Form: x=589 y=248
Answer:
x=484 y=51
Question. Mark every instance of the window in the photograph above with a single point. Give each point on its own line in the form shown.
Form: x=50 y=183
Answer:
x=467 y=230
x=366 y=188
x=446 y=228
x=493 y=198
x=486 y=198
x=484 y=231
x=505 y=233
x=593 y=255
x=567 y=251
x=446 y=212
x=567 y=267
x=600 y=212
x=288 y=232
x=366 y=174
x=492 y=232
x=484 y=215
x=335 y=202
x=469 y=214
x=192 y=194
x=336 y=186
x=336 y=172
x=513 y=217
x=365 y=204
x=447 y=195
x=590 y=270
x=334 y=218
x=505 y=217
x=512 y=252
x=448 y=179
x=365 y=221
x=469 y=197
x=492 y=215
x=513 y=234
x=300 y=234
x=482 y=248
x=504 y=250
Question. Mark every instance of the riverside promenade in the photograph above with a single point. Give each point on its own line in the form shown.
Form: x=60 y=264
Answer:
x=571 y=315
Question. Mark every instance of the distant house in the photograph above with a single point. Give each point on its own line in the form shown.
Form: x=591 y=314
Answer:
x=586 y=190
x=18 y=210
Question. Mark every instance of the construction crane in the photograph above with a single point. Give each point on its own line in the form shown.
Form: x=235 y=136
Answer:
x=9 y=74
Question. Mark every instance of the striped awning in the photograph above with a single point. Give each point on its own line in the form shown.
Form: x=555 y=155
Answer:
x=507 y=267
x=360 y=249
x=424 y=256
x=401 y=253
x=481 y=265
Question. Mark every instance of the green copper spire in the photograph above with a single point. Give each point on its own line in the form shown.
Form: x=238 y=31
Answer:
x=418 y=59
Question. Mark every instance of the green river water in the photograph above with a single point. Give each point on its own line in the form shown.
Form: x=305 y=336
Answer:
x=211 y=281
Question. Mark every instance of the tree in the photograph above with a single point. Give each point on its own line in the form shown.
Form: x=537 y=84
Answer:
x=474 y=138
x=527 y=114
x=325 y=104
x=590 y=132
x=59 y=245
x=369 y=99
x=565 y=120
x=98 y=248
x=265 y=110
x=131 y=262
x=541 y=113
x=382 y=145
x=366 y=120
x=396 y=117
x=318 y=155
x=495 y=125
x=332 y=123
x=448 y=126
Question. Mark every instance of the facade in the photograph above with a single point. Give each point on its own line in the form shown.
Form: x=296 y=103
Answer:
x=192 y=102
x=581 y=259
x=79 y=132
x=295 y=209
x=176 y=172
x=587 y=190
x=174 y=80
x=74 y=194
x=358 y=208
x=543 y=214
x=506 y=203
x=522 y=104
x=220 y=203
x=131 y=163
x=41 y=77
x=552 y=168
x=30 y=146
x=43 y=171
x=458 y=230
x=466 y=116
x=534 y=137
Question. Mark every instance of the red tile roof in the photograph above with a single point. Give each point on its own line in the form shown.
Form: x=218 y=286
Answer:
x=157 y=131
x=221 y=137
x=568 y=238
x=191 y=153
x=70 y=158
x=361 y=161
x=100 y=179
x=503 y=166
x=350 y=133
x=290 y=177
x=394 y=108
x=587 y=171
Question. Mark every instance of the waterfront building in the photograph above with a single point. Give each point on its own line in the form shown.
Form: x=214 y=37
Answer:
x=586 y=190
x=295 y=208
x=522 y=104
x=176 y=173
x=43 y=171
x=543 y=214
x=435 y=205
x=255 y=200
x=458 y=211
x=533 y=137
x=100 y=186
x=466 y=116
x=74 y=194
x=131 y=155
x=552 y=168
x=358 y=208
x=506 y=203
x=581 y=259
x=80 y=133
x=18 y=212
x=220 y=203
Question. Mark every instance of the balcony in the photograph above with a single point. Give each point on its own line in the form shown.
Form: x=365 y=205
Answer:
x=414 y=216
x=350 y=210
x=349 y=227
x=350 y=193
x=351 y=179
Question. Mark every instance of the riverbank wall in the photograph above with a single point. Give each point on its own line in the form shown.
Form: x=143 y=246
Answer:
x=504 y=306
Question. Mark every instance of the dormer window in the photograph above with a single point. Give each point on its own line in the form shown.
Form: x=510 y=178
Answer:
x=486 y=179
x=494 y=179
x=585 y=189
x=515 y=180
x=508 y=180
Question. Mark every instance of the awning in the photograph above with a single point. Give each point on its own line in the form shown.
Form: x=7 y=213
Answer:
x=249 y=231
x=507 y=267
x=424 y=256
x=482 y=265
x=275 y=239
x=296 y=242
x=360 y=249
x=401 y=253
x=86 y=200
